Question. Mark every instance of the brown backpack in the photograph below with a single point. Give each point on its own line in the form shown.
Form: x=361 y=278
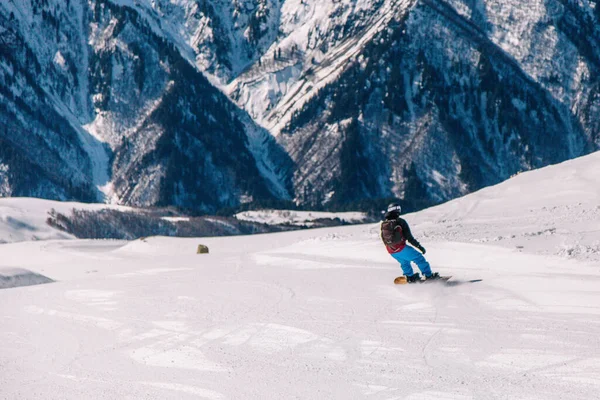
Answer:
x=389 y=234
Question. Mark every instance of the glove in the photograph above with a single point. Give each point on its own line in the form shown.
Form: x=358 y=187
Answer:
x=422 y=249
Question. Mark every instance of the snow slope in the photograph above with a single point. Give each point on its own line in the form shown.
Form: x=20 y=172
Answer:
x=314 y=314
x=23 y=219
x=553 y=211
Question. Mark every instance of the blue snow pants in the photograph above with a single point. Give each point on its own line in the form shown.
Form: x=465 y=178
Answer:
x=410 y=254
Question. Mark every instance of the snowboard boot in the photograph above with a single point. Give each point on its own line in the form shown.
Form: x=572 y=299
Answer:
x=433 y=277
x=414 y=278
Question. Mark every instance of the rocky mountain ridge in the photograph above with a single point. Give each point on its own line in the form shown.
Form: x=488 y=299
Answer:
x=210 y=104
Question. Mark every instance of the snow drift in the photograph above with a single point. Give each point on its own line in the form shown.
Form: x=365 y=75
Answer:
x=16 y=277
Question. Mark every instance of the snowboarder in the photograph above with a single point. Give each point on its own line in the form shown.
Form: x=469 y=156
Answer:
x=395 y=233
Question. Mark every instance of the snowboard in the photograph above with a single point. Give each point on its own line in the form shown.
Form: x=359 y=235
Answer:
x=401 y=280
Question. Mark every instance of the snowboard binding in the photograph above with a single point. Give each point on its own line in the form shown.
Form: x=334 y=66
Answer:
x=401 y=280
x=416 y=278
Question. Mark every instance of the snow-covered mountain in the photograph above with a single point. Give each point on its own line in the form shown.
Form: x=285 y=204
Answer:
x=97 y=95
x=330 y=101
x=428 y=99
x=314 y=314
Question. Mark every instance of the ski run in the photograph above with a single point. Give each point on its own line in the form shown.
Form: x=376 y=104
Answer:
x=314 y=314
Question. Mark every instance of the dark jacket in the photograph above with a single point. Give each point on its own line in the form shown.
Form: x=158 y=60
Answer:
x=404 y=229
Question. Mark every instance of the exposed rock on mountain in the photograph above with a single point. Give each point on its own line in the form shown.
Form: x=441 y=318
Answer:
x=209 y=104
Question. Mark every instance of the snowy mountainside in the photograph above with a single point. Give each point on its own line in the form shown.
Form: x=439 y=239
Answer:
x=426 y=100
x=557 y=43
x=320 y=38
x=225 y=36
x=35 y=127
x=114 y=100
x=433 y=108
x=207 y=104
x=315 y=313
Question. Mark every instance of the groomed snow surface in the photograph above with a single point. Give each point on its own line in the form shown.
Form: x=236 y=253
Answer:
x=314 y=314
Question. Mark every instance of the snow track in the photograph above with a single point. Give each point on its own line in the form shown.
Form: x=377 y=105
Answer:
x=314 y=314
x=158 y=321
